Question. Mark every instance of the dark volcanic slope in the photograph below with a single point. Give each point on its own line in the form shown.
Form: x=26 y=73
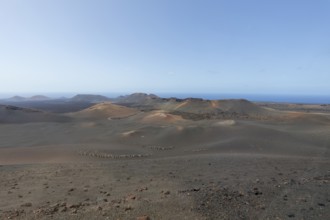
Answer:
x=62 y=105
x=12 y=114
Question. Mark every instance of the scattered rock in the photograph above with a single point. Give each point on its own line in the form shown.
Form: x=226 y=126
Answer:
x=257 y=192
x=130 y=197
x=142 y=189
x=189 y=190
x=128 y=208
x=28 y=204
x=166 y=192
x=75 y=206
x=13 y=213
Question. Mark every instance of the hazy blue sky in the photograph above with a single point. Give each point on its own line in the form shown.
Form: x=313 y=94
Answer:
x=189 y=46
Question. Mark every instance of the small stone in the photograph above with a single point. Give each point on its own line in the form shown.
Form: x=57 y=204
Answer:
x=145 y=217
x=291 y=215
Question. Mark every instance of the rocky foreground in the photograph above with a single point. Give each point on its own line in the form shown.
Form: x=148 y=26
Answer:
x=194 y=187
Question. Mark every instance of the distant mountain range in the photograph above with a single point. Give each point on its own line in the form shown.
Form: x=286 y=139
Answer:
x=144 y=102
x=32 y=98
x=144 y=107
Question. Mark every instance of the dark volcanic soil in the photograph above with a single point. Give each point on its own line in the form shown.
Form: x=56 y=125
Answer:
x=158 y=165
x=195 y=187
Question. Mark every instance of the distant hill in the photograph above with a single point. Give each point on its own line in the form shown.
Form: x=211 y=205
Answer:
x=89 y=98
x=137 y=98
x=16 y=99
x=105 y=110
x=38 y=98
x=191 y=105
x=160 y=116
x=204 y=109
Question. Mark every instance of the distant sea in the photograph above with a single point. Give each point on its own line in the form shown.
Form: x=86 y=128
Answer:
x=299 y=99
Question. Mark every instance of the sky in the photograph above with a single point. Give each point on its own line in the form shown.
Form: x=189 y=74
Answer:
x=165 y=46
